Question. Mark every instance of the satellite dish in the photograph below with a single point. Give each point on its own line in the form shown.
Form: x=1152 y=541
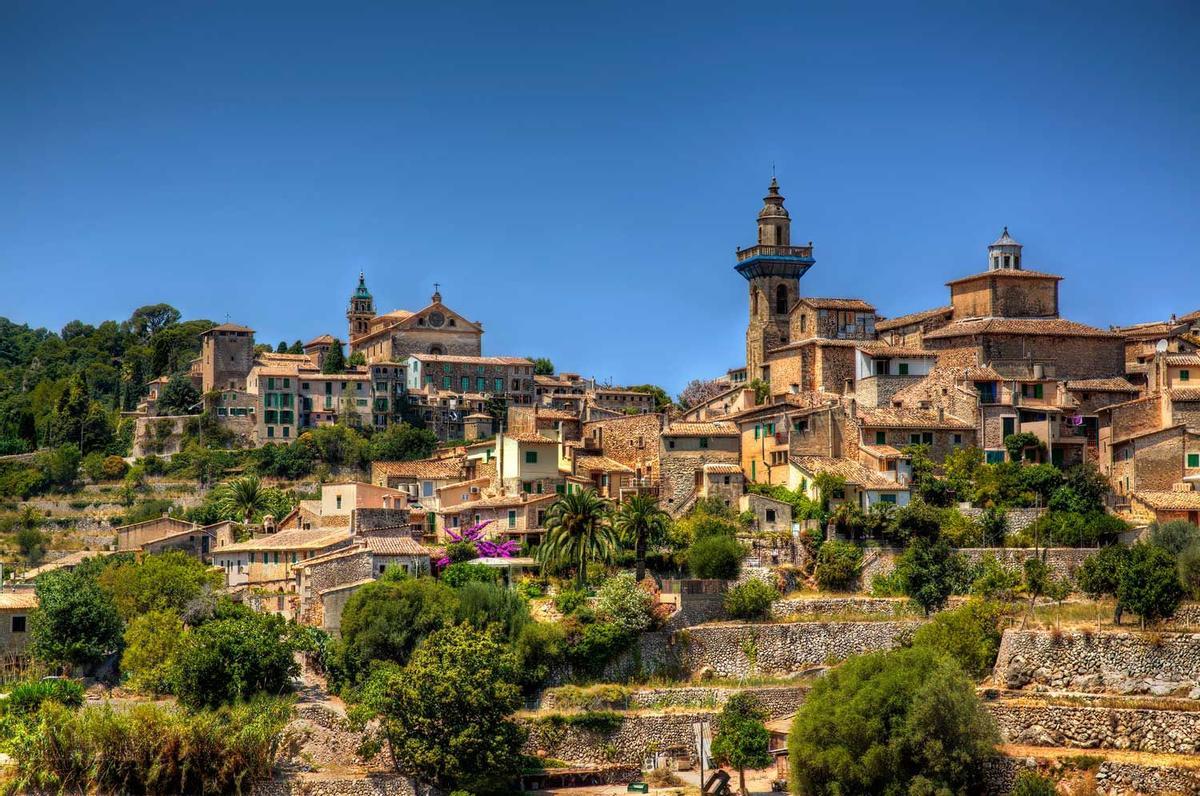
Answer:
x=1160 y=346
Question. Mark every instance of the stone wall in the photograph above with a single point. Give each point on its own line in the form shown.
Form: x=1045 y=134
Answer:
x=742 y=650
x=1158 y=731
x=1063 y=561
x=1115 y=778
x=630 y=743
x=1016 y=520
x=778 y=701
x=824 y=606
x=1128 y=663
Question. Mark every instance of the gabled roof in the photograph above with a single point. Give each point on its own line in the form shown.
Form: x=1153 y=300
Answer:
x=228 y=327
x=912 y=318
x=701 y=428
x=18 y=600
x=849 y=470
x=1053 y=327
x=432 y=469
x=854 y=304
x=1170 y=501
x=896 y=417
x=294 y=539
x=394 y=546
x=600 y=464
x=1102 y=385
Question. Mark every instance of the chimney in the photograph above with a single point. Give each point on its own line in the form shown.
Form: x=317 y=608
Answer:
x=853 y=408
x=941 y=413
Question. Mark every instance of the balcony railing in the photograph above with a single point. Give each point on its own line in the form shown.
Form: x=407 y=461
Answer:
x=774 y=251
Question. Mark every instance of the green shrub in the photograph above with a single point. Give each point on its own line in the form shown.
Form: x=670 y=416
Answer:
x=465 y=572
x=623 y=602
x=26 y=697
x=229 y=660
x=596 y=645
x=750 y=600
x=838 y=564
x=970 y=634
x=147 y=748
x=461 y=552
x=890 y=584
x=569 y=600
x=489 y=604
x=718 y=557
x=1031 y=783
x=539 y=648
x=152 y=643
x=900 y=722
x=1174 y=536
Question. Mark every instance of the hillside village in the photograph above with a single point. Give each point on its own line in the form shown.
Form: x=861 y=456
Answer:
x=362 y=518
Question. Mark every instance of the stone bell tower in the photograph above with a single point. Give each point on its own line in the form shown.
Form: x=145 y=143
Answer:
x=361 y=309
x=773 y=268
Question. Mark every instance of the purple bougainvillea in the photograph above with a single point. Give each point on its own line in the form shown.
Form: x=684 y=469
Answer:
x=483 y=547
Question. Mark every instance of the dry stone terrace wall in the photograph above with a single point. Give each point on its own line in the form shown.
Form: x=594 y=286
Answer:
x=777 y=701
x=1127 y=663
x=744 y=650
x=1142 y=730
x=637 y=736
x=824 y=606
x=1063 y=561
x=1113 y=777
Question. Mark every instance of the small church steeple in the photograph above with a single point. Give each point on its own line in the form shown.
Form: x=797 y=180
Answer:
x=361 y=309
x=774 y=223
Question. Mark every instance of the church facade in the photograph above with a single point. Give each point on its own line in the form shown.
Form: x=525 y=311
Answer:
x=394 y=336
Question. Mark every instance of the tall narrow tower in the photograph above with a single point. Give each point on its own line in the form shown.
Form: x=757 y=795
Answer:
x=361 y=309
x=773 y=268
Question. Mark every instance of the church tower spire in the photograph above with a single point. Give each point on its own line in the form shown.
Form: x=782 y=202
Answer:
x=361 y=309
x=773 y=267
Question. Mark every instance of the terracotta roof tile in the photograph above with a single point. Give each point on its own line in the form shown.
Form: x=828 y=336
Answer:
x=295 y=539
x=1056 y=327
x=1102 y=385
x=1170 y=501
x=1182 y=359
x=433 y=469
x=1192 y=394
x=836 y=303
x=395 y=546
x=600 y=464
x=912 y=318
x=691 y=428
x=722 y=467
x=1005 y=273
x=896 y=417
x=18 y=600
x=848 y=469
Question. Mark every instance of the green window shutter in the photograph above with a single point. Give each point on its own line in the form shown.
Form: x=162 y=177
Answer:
x=446 y=382
x=1185 y=375
x=903 y=372
x=531 y=457
x=1193 y=460
x=1038 y=391
x=754 y=471
x=559 y=489
x=512 y=519
x=880 y=437
x=757 y=431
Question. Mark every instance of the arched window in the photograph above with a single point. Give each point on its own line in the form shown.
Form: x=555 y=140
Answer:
x=781 y=300
x=436 y=349
x=754 y=302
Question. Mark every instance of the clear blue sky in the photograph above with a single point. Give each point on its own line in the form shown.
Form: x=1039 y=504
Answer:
x=577 y=175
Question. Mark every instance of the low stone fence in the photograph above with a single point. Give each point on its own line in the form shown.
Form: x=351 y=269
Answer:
x=825 y=606
x=1186 y=615
x=1015 y=520
x=1161 y=664
x=1142 y=730
x=743 y=650
x=630 y=742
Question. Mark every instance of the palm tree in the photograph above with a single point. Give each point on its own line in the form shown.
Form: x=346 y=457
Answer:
x=578 y=531
x=639 y=521
x=242 y=497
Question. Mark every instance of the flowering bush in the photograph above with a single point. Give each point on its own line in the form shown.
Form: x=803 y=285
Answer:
x=624 y=603
x=484 y=548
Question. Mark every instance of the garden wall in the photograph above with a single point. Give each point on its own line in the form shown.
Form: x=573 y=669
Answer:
x=743 y=650
x=778 y=701
x=1158 y=731
x=1123 y=662
x=1113 y=778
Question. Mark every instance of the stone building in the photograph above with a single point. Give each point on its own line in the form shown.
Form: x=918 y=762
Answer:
x=507 y=377
x=397 y=335
x=698 y=459
x=16 y=605
x=226 y=356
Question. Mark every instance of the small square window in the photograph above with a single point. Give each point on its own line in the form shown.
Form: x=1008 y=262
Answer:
x=1185 y=375
x=531 y=457
x=1193 y=460
x=880 y=437
x=18 y=624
